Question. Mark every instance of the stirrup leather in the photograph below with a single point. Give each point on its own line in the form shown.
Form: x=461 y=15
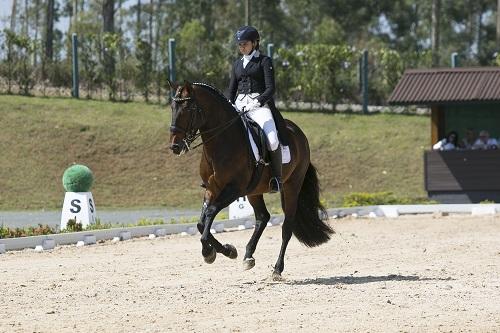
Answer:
x=275 y=185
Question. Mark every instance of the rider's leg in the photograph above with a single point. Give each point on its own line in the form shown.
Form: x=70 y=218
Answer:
x=275 y=184
x=264 y=118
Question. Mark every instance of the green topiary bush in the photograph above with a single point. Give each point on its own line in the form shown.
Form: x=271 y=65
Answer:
x=77 y=178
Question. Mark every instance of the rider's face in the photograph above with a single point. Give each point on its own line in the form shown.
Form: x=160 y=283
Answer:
x=245 y=47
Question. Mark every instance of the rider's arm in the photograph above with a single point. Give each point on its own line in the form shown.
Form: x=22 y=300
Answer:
x=268 y=93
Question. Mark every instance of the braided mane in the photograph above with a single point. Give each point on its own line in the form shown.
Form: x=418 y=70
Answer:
x=215 y=91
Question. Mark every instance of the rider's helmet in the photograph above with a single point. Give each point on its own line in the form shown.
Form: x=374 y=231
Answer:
x=247 y=33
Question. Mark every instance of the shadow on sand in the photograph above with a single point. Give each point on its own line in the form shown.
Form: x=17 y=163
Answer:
x=334 y=280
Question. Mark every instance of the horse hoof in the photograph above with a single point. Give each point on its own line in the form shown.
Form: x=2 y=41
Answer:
x=210 y=258
x=233 y=253
x=248 y=263
x=276 y=276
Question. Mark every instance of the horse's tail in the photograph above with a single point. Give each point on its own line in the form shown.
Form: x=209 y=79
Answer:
x=311 y=227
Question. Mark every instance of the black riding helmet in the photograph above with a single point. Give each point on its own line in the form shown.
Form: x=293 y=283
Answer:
x=246 y=33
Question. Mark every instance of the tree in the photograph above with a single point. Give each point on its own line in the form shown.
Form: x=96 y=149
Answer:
x=37 y=24
x=108 y=15
x=138 y=24
x=498 y=25
x=49 y=30
x=436 y=13
x=13 y=16
x=111 y=46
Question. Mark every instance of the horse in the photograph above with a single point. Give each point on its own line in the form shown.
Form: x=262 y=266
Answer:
x=227 y=169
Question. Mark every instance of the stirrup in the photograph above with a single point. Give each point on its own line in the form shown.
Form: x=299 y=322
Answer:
x=275 y=185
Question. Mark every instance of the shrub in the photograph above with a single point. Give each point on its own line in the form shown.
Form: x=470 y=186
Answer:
x=380 y=198
x=6 y=232
x=73 y=226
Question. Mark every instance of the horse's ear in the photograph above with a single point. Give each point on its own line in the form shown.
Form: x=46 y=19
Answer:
x=173 y=86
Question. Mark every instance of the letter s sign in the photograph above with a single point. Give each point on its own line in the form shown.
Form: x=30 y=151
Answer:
x=75 y=203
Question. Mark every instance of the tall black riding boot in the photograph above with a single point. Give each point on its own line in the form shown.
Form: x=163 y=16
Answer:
x=275 y=184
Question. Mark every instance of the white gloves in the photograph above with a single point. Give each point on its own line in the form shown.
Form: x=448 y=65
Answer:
x=254 y=104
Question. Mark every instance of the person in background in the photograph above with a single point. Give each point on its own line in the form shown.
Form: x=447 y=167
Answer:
x=485 y=142
x=468 y=141
x=448 y=143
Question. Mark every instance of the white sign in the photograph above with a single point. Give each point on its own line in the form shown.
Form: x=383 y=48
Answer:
x=80 y=207
x=240 y=208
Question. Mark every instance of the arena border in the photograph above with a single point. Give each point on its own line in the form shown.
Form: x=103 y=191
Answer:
x=125 y=233
x=47 y=242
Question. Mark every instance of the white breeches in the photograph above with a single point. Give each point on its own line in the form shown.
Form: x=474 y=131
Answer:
x=263 y=117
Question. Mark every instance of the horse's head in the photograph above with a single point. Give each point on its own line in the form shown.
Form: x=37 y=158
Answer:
x=187 y=118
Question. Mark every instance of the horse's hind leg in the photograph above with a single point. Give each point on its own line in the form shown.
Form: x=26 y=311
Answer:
x=289 y=202
x=262 y=216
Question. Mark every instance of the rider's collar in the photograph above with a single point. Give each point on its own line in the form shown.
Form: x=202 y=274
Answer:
x=255 y=54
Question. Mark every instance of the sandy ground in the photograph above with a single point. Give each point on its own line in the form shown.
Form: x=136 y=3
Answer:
x=411 y=274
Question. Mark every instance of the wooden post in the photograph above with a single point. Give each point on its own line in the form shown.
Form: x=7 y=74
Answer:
x=436 y=123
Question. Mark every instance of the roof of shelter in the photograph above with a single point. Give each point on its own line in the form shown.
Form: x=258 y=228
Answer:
x=448 y=85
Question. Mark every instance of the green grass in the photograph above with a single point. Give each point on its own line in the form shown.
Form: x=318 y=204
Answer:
x=126 y=147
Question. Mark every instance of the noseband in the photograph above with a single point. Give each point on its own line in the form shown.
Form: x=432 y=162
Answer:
x=189 y=132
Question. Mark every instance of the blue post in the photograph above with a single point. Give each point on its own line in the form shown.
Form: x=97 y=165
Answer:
x=171 y=59
x=270 y=50
x=454 y=60
x=360 y=73
x=76 y=82
x=364 y=81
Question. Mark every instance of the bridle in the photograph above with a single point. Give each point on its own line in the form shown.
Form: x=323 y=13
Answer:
x=191 y=133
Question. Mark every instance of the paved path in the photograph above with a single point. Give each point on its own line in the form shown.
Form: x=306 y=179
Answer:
x=53 y=218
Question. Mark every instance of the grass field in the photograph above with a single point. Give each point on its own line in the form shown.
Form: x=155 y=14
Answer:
x=126 y=146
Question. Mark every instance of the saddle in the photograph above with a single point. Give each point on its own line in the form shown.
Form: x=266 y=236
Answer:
x=260 y=140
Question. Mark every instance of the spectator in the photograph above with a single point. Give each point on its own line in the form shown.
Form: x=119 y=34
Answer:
x=469 y=139
x=448 y=143
x=485 y=142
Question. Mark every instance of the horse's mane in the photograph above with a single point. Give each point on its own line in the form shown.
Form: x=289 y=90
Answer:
x=215 y=92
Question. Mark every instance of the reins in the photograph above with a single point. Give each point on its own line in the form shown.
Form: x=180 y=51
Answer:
x=190 y=138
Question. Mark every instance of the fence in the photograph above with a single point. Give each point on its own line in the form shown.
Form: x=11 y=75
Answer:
x=103 y=67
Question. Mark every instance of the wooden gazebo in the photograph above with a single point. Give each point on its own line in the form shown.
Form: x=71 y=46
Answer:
x=459 y=98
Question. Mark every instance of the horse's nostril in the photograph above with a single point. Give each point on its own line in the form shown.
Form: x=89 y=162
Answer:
x=175 y=148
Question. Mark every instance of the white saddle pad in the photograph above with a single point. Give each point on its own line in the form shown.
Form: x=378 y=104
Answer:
x=285 y=150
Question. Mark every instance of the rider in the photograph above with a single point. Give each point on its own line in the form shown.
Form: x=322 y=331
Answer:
x=252 y=88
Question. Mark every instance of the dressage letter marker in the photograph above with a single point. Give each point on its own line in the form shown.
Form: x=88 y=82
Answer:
x=240 y=208
x=79 y=203
x=80 y=207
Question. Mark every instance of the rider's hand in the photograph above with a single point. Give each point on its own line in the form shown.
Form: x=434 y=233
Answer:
x=254 y=104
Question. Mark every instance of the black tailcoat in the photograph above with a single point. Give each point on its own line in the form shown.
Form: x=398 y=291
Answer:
x=257 y=77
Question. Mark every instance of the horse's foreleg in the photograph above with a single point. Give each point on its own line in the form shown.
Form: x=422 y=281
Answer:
x=262 y=216
x=210 y=244
x=208 y=250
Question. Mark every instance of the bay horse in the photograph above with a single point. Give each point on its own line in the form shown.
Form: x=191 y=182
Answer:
x=227 y=168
